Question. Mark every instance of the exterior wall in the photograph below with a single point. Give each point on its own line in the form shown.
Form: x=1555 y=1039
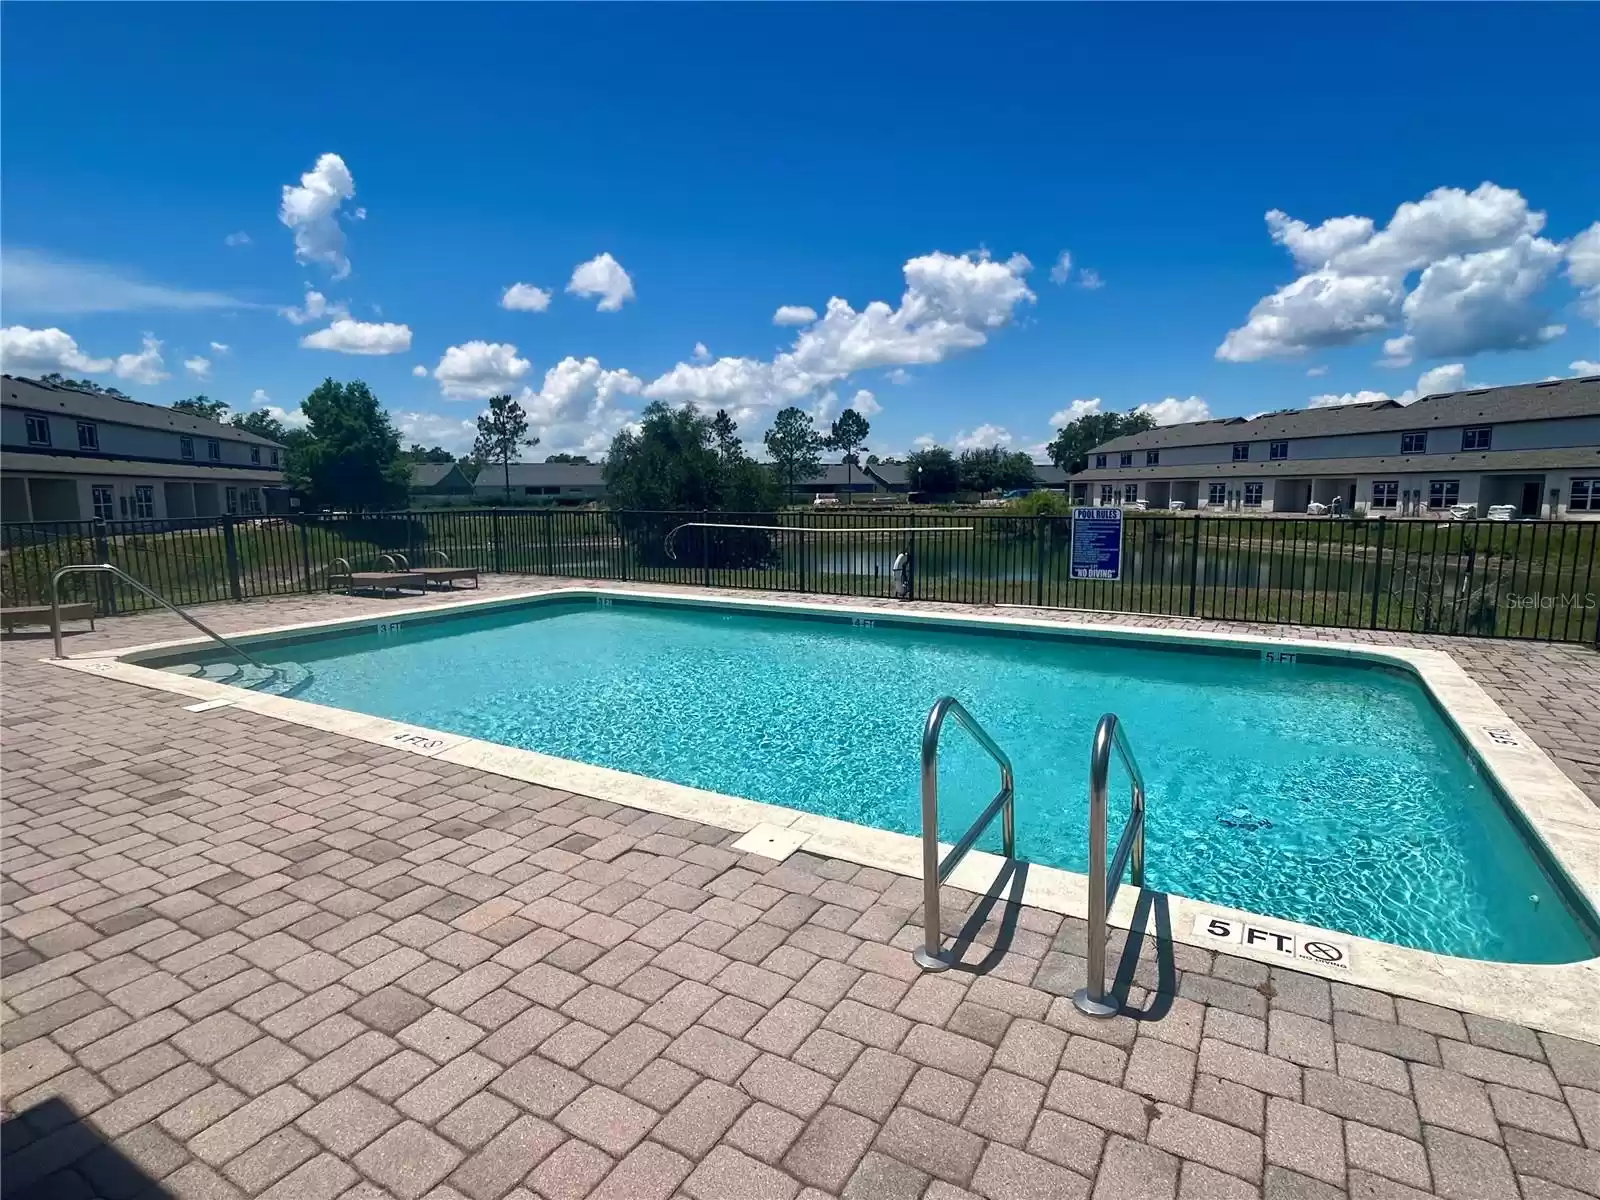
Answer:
x=37 y=497
x=125 y=441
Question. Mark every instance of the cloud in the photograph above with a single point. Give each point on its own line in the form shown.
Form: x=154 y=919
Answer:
x=317 y=307
x=1089 y=279
x=420 y=371
x=144 y=367
x=951 y=303
x=982 y=438
x=1478 y=265
x=1173 y=411
x=701 y=354
x=221 y=348
x=866 y=404
x=40 y=351
x=602 y=276
x=1062 y=270
x=579 y=406
x=1584 y=366
x=432 y=429
x=524 y=297
x=199 y=367
x=477 y=370
x=1450 y=377
x=259 y=398
x=794 y=314
x=1069 y=414
x=34 y=282
x=241 y=238
x=1583 y=269
x=1317 y=371
x=899 y=376
x=311 y=211
x=360 y=337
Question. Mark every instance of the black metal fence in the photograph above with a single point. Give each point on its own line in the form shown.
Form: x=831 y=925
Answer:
x=1538 y=580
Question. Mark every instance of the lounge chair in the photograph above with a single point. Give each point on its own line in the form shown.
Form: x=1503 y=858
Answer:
x=381 y=582
x=39 y=614
x=443 y=574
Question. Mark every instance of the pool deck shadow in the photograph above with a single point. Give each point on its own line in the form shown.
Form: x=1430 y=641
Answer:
x=259 y=959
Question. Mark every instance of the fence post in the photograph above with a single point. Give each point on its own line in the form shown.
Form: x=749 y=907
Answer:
x=230 y=546
x=705 y=551
x=550 y=541
x=1041 y=535
x=305 y=553
x=494 y=521
x=103 y=582
x=1377 y=574
x=1194 y=560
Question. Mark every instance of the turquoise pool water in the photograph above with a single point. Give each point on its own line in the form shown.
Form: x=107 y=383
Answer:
x=1324 y=793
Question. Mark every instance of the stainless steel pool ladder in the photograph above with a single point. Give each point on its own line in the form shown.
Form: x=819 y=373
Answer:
x=1092 y=999
x=108 y=569
x=934 y=872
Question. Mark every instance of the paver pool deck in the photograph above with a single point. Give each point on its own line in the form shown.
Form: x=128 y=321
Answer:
x=243 y=957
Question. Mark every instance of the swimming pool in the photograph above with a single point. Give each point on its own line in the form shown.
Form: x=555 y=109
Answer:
x=1324 y=790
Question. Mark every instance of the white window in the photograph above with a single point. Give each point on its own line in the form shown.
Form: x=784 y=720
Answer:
x=88 y=436
x=105 y=505
x=1130 y=492
x=1152 y=458
x=1252 y=495
x=1108 y=494
x=38 y=430
x=185 y=446
x=144 y=500
x=1385 y=493
x=1413 y=443
x=1585 y=496
x=214 y=450
x=1217 y=493
x=1241 y=451
x=1278 y=451
x=231 y=497
x=1125 y=459
x=274 y=457
x=1442 y=493
x=255 y=455
x=252 y=500
x=1476 y=438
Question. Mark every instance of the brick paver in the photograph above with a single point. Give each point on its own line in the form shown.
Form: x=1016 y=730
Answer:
x=246 y=958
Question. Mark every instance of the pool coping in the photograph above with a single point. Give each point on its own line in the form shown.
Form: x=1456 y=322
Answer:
x=1559 y=998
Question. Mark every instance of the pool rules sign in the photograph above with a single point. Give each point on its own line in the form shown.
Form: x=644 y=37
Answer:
x=1097 y=543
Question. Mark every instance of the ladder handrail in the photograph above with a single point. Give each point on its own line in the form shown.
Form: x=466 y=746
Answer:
x=934 y=872
x=1105 y=878
x=90 y=568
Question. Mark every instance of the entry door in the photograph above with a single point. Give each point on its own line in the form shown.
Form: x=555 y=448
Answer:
x=1530 y=500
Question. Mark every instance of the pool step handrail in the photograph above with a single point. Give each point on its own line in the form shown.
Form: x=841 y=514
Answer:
x=108 y=569
x=1104 y=878
x=931 y=957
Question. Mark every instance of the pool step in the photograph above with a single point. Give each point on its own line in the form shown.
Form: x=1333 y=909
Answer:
x=282 y=680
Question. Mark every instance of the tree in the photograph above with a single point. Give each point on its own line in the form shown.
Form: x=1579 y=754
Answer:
x=574 y=459
x=263 y=424
x=726 y=431
x=57 y=379
x=795 y=447
x=848 y=433
x=1074 y=440
x=418 y=453
x=933 y=470
x=994 y=469
x=203 y=406
x=502 y=430
x=349 y=455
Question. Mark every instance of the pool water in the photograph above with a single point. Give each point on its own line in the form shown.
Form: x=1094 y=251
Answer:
x=1321 y=792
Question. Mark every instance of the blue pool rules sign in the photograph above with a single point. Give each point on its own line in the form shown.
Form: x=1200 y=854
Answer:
x=1097 y=543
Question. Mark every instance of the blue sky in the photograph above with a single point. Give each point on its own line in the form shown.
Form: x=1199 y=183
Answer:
x=672 y=176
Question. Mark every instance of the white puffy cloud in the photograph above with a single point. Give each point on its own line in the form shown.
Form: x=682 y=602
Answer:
x=579 y=406
x=866 y=403
x=455 y=434
x=1583 y=269
x=241 y=238
x=144 y=367
x=259 y=398
x=524 y=297
x=898 y=376
x=1477 y=263
x=1584 y=366
x=1089 y=279
x=1173 y=411
x=1449 y=377
x=221 y=348
x=40 y=351
x=602 y=276
x=420 y=371
x=1317 y=371
x=39 y=283
x=199 y=367
x=951 y=303
x=316 y=308
x=292 y=418
x=1338 y=400
x=982 y=438
x=701 y=353
x=477 y=370
x=360 y=337
x=794 y=314
x=1062 y=270
x=311 y=211
x=1078 y=408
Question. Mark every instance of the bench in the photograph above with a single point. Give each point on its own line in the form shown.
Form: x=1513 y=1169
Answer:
x=379 y=581
x=39 y=614
x=447 y=575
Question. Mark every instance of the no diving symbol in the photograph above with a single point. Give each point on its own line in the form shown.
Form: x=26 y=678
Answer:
x=1330 y=953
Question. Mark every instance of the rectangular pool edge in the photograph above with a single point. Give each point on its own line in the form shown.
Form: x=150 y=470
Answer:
x=1561 y=821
